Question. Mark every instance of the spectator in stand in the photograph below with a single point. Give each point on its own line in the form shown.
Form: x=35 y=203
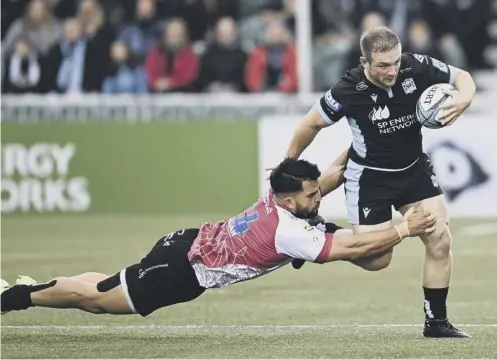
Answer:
x=38 y=27
x=63 y=9
x=66 y=66
x=199 y=15
x=253 y=29
x=420 y=40
x=369 y=21
x=461 y=24
x=140 y=36
x=125 y=75
x=223 y=63
x=272 y=66
x=12 y=10
x=172 y=65
x=23 y=71
x=99 y=35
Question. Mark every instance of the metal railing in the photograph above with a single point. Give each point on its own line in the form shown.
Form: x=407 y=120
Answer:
x=143 y=108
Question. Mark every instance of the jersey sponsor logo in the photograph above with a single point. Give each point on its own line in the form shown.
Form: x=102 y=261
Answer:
x=409 y=86
x=440 y=65
x=374 y=97
x=405 y=70
x=142 y=273
x=379 y=113
x=361 y=86
x=332 y=103
x=391 y=126
x=420 y=58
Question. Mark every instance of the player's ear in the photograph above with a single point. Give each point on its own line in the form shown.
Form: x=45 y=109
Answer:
x=363 y=60
x=290 y=202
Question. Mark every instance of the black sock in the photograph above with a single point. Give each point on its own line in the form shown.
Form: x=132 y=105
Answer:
x=435 y=303
x=16 y=298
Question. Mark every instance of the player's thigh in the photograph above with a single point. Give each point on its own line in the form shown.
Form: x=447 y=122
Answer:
x=369 y=195
x=112 y=301
x=164 y=277
x=436 y=205
x=423 y=188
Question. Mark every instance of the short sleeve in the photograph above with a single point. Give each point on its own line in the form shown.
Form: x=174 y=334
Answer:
x=331 y=106
x=433 y=71
x=296 y=238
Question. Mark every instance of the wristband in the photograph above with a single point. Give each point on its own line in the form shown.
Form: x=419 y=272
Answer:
x=398 y=233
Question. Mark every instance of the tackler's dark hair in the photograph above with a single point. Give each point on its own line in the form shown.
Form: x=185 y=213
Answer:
x=290 y=174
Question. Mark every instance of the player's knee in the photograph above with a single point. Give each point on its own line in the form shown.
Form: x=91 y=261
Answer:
x=438 y=244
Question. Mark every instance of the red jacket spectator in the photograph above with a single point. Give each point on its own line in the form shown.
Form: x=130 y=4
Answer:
x=179 y=71
x=257 y=69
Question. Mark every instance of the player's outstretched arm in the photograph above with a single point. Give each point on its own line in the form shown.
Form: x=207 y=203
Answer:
x=347 y=246
x=305 y=133
x=333 y=177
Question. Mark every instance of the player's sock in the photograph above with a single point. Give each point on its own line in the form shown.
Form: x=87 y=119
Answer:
x=18 y=297
x=435 y=303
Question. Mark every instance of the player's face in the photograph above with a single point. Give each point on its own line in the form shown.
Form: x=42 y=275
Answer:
x=384 y=67
x=306 y=203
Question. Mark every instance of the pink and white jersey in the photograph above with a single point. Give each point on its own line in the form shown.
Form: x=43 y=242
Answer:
x=257 y=241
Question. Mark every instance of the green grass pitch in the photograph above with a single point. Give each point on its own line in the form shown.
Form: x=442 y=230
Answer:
x=321 y=311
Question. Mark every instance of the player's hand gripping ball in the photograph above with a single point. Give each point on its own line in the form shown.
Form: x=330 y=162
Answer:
x=428 y=106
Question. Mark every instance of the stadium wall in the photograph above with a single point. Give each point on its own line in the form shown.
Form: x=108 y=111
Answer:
x=128 y=168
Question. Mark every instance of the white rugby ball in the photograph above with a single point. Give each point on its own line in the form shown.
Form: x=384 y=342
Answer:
x=429 y=103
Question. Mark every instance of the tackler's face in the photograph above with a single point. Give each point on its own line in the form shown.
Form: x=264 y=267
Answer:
x=305 y=204
x=384 y=66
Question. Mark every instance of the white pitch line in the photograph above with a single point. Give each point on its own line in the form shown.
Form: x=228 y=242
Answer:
x=178 y=327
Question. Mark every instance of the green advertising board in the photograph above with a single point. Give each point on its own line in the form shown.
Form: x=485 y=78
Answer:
x=129 y=168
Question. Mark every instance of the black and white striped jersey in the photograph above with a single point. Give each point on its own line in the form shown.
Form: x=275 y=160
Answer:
x=386 y=134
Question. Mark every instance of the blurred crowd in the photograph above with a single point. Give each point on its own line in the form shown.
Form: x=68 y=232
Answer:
x=159 y=46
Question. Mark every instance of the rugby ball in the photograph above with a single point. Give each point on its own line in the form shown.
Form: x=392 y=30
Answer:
x=429 y=103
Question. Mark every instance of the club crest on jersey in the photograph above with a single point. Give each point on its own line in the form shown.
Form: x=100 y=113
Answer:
x=361 y=86
x=379 y=113
x=332 y=103
x=420 y=58
x=409 y=86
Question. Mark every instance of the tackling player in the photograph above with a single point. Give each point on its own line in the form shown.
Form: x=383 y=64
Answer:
x=183 y=264
x=386 y=166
